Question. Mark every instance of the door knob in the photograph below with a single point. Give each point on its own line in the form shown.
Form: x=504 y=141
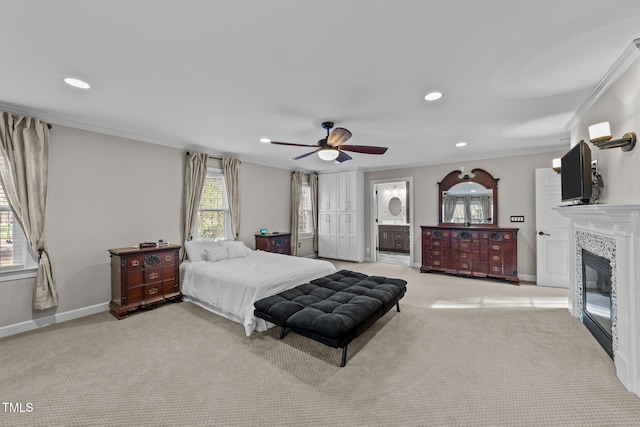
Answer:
x=543 y=234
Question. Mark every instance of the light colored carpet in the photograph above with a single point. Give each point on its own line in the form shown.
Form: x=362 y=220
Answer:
x=461 y=352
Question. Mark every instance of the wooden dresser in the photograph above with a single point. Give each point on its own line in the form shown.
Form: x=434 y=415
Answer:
x=471 y=251
x=279 y=243
x=141 y=277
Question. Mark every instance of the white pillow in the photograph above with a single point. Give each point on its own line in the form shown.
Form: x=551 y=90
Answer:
x=217 y=254
x=195 y=249
x=236 y=249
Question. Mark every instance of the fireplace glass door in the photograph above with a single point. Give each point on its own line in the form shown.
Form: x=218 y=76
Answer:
x=596 y=290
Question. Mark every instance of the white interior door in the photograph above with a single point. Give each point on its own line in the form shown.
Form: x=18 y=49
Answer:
x=552 y=232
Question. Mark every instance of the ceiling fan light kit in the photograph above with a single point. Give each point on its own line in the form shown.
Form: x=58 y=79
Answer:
x=328 y=154
x=332 y=148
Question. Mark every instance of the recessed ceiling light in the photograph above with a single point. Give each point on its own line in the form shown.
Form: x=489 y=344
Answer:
x=77 y=83
x=265 y=140
x=433 y=96
x=461 y=144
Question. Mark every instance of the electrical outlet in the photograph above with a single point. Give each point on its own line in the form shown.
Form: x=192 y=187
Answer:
x=517 y=218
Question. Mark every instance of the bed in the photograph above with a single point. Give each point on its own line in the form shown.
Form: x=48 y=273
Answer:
x=229 y=286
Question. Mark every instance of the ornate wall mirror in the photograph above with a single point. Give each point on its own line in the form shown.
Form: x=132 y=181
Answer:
x=469 y=200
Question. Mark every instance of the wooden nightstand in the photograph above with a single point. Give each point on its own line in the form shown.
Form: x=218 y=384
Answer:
x=279 y=243
x=142 y=277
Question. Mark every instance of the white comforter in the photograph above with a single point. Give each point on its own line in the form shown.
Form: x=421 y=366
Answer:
x=230 y=287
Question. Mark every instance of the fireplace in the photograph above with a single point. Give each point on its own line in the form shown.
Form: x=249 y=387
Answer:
x=596 y=303
x=608 y=236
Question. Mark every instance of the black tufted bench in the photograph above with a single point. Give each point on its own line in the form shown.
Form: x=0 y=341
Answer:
x=333 y=309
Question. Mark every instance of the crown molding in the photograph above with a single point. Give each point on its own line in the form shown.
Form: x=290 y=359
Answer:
x=628 y=57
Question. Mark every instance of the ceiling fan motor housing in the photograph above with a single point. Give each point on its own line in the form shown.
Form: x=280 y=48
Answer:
x=327 y=125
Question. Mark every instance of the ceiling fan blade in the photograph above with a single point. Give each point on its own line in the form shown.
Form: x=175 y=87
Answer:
x=304 y=155
x=292 y=144
x=366 y=149
x=338 y=136
x=342 y=157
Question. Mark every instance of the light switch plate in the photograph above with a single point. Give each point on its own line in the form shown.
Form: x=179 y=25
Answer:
x=517 y=218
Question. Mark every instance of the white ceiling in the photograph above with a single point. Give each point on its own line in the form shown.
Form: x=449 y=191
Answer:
x=219 y=75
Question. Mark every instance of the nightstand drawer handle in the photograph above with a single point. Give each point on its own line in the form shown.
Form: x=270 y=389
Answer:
x=496 y=247
x=496 y=258
x=168 y=258
x=135 y=263
x=153 y=276
x=153 y=291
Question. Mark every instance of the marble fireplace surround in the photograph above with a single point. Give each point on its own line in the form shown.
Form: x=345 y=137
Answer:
x=612 y=232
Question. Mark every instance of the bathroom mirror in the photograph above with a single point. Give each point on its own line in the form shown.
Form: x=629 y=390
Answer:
x=395 y=206
x=469 y=200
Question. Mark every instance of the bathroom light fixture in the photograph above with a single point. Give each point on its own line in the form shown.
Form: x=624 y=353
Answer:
x=557 y=165
x=77 y=83
x=328 y=154
x=600 y=136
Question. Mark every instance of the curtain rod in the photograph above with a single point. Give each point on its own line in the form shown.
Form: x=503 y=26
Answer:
x=211 y=157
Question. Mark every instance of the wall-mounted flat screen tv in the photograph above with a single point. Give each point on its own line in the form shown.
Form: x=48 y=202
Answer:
x=576 y=174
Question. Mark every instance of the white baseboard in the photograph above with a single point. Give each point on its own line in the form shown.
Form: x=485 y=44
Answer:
x=528 y=278
x=29 y=325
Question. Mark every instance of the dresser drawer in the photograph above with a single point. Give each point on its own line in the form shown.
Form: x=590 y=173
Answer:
x=152 y=293
x=168 y=258
x=152 y=275
x=496 y=246
x=134 y=262
x=495 y=268
x=463 y=266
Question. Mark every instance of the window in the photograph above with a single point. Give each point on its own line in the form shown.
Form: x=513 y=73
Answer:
x=214 y=218
x=15 y=253
x=305 y=214
x=475 y=209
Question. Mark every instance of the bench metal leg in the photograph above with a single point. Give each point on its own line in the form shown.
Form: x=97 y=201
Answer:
x=284 y=331
x=344 y=357
x=398 y=306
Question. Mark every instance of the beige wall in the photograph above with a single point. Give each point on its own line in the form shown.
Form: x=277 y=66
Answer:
x=109 y=192
x=620 y=106
x=516 y=196
x=104 y=192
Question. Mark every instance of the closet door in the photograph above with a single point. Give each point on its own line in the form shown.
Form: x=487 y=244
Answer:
x=348 y=236
x=327 y=194
x=327 y=235
x=347 y=191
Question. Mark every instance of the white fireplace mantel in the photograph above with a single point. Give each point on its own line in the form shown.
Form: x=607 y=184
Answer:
x=619 y=224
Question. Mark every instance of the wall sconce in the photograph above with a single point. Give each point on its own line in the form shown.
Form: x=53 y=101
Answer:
x=557 y=165
x=600 y=136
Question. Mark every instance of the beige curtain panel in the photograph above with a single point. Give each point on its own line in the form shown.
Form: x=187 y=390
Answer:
x=231 y=169
x=194 y=177
x=24 y=169
x=313 y=187
x=296 y=190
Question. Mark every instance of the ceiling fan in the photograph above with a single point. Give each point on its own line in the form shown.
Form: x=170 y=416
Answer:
x=332 y=147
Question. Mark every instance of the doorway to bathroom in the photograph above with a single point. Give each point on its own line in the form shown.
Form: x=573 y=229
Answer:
x=392 y=214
